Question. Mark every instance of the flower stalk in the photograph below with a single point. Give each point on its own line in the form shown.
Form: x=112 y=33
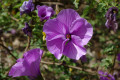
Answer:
x=8 y=51
x=28 y=44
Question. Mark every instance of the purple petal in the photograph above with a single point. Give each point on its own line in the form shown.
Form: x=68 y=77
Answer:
x=22 y=8
x=44 y=12
x=33 y=68
x=50 y=9
x=111 y=76
x=111 y=17
x=67 y=16
x=63 y=44
x=53 y=28
x=13 y=31
x=76 y=40
x=18 y=70
x=27 y=7
x=38 y=6
x=83 y=29
x=118 y=57
x=55 y=47
x=29 y=65
x=102 y=78
x=27 y=30
x=107 y=24
x=19 y=60
x=105 y=76
x=77 y=24
x=115 y=26
x=101 y=72
x=33 y=55
x=55 y=37
x=110 y=12
x=73 y=51
x=32 y=60
x=83 y=58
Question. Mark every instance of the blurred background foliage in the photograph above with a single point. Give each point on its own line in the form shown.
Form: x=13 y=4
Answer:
x=100 y=50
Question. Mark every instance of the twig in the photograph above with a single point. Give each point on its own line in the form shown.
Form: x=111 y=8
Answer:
x=13 y=18
x=8 y=51
x=55 y=3
x=74 y=67
x=28 y=45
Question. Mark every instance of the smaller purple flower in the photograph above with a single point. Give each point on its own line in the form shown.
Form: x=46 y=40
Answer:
x=83 y=58
x=28 y=65
x=27 y=30
x=118 y=56
x=13 y=31
x=111 y=22
x=45 y=12
x=27 y=7
x=117 y=74
x=105 y=76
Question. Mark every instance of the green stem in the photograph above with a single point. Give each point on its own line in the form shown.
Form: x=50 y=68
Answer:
x=8 y=51
x=28 y=45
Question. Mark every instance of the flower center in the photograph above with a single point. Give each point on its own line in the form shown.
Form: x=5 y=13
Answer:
x=43 y=15
x=68 y=36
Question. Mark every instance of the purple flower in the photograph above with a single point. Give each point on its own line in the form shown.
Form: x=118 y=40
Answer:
x=117 y=74
x=28 y=65
x=27 y=7
x=27 y=30
x=67 y=34
x=83 y=58
x=118 y=56
x=111 y=22
x=13 y=31
x=45 y=12
x=105 y=76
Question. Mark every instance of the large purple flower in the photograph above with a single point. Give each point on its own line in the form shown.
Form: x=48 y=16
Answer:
x=105 y=76
x=67 y=34
x=45 y=12
x=28 y=65
x=27 y=7
x=27 y=30
x=111 y=22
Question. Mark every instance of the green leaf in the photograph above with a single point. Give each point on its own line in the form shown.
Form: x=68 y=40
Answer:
x=17 y=6
x=109 y=49
x=76 y=3
x=107 y=62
